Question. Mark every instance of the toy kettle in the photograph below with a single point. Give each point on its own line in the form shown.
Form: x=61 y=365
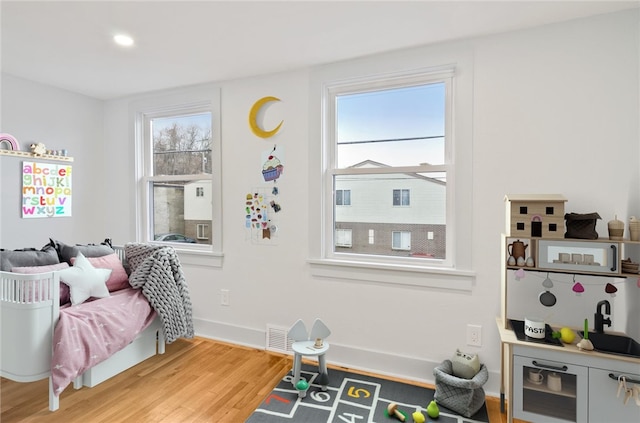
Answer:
x=517 y=249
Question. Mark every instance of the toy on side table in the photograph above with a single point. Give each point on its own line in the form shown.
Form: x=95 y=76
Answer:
x=309 y=344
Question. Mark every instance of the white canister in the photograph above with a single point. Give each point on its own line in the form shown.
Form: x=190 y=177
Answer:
x=534 y=328
x=554 y=382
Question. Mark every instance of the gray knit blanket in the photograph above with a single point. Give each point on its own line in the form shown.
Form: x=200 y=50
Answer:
x=156 y=270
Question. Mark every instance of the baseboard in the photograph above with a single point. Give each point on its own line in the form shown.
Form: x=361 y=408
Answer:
x=380 y=362
x=233 y=334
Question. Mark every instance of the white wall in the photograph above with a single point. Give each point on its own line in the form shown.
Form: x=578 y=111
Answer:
x=555 y=111
x=34 y=112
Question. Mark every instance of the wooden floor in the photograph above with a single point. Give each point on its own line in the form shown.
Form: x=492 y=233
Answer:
x=198 y=380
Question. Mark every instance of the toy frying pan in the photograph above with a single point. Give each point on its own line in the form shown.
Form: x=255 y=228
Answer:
x=547 y=298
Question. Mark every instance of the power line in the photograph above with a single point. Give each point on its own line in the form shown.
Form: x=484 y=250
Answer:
x=390 y=140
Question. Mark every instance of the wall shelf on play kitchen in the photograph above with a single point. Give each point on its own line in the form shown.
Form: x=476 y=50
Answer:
x=16 y=153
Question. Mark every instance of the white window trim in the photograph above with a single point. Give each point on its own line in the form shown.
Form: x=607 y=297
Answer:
x=459 y=275
x=177 y=102
x=332 y=91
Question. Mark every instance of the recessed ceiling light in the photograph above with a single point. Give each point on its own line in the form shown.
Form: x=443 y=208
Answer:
x=123 y=40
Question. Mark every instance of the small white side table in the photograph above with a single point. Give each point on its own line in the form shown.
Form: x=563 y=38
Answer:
x=307 y=348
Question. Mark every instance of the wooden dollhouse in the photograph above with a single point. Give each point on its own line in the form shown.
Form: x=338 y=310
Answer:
x=535 y=215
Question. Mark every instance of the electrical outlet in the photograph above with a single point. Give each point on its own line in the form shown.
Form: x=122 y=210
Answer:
x=474 y=335
x=224 y=297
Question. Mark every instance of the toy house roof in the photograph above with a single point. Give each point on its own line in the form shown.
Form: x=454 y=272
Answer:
x=534 y=198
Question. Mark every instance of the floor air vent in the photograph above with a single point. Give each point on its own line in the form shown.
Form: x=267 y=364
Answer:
x=277 y=339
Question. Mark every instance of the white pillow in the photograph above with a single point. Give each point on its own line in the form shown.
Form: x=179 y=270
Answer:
x=85 y=281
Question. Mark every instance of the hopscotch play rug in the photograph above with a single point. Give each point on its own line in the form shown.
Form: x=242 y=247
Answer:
x=350 y=398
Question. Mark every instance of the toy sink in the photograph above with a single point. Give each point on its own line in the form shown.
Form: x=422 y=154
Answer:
x=614 y=344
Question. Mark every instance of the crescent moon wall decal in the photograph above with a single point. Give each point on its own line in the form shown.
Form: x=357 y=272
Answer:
x=253 y=114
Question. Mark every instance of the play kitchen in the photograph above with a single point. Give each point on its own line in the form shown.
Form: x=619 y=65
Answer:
x=562 y=374
x=553 y=276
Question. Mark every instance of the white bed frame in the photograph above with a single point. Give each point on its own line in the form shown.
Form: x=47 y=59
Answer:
x=26 y=333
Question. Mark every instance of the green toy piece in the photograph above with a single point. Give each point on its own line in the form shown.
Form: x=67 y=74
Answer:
x=432 y=410
x=302 y=385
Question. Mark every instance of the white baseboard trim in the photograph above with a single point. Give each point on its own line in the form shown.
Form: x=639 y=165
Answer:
x=383 y=363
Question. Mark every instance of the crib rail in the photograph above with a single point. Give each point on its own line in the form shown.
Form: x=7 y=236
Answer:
x=29 y=309
x=121 y=254
x=36 y=288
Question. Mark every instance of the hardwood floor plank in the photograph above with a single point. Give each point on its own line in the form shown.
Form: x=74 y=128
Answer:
x=196 y=380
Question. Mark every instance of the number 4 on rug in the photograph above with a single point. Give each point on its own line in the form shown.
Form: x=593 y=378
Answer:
x=344 y=417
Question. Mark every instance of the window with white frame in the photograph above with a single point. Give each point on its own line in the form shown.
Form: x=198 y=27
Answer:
x=401 y=197
x=177 y=163
x=401 y=240
x=343 y=197
x=343 y=238
x=202 y=231
x=392 y=136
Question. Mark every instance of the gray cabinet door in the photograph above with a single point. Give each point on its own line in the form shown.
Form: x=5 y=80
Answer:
x=605 y=403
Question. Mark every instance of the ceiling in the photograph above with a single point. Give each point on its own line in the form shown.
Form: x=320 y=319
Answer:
x=68 y=44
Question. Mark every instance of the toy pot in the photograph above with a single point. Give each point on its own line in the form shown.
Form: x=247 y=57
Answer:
x=517 y=249
x=534 y=328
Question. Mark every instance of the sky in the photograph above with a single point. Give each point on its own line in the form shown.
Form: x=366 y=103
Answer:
x=410 y=112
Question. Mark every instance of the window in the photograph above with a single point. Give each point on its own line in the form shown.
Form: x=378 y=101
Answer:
x=343 y=238
x=180 y=164
x=202 y=231
x=390 y=133
x=401 y=197
x=401 y=240
x=177 y=147
x=372 y=238
x=439 y=155
x=343 y=197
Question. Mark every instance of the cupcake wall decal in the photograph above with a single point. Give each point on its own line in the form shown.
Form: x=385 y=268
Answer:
x=272 y=167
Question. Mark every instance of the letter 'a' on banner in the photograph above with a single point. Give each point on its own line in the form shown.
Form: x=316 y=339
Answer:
x=46 y=190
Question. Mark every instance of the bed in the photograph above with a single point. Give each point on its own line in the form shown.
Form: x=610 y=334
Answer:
x=40 y=338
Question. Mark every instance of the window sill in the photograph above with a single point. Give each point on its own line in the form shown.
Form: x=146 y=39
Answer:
x=393 y=274
x=200 y=258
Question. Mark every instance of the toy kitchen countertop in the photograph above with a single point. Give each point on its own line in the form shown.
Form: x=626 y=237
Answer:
x=509 y=336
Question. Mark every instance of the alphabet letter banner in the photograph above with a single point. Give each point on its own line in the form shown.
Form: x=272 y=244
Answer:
x=46 y=190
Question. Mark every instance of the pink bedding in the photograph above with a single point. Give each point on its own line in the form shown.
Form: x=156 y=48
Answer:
x=87 y=334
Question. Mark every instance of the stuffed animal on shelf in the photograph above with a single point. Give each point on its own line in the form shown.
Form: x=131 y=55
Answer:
x=38 y=149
